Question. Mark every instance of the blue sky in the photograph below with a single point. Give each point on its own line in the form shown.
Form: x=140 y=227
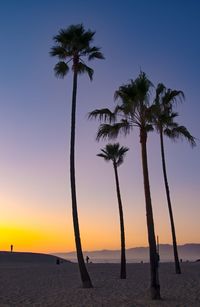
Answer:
x=159 y=37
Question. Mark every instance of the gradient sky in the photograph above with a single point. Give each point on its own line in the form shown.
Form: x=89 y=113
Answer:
x=159 y=37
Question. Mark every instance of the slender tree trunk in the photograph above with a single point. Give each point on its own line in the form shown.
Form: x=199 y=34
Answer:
x=154 y=257
x=176 y=258
x=123 y=250
x=82 y=267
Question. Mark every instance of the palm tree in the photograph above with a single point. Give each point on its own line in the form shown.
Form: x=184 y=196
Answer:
x=73 y=45
x=163 y=120
x=115 y=153
x=134 y=111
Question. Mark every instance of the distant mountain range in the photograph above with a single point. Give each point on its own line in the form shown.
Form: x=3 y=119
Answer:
x=187 y=252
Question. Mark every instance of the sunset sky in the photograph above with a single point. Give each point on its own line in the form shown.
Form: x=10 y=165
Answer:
x=159 y=37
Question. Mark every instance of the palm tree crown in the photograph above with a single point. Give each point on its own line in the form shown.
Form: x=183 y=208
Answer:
x=163 y=117
x=134 y=110
x=113 y=152
x=73 y=45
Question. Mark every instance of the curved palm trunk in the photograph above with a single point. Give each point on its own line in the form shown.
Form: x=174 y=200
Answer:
x=154 y=287
x=123 y=251
x=83 y=271
x=176 y=258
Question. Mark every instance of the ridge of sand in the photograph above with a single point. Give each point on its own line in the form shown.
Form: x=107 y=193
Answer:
x=28 y=257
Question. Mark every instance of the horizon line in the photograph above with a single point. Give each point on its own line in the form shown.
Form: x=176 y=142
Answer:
x=107 y=249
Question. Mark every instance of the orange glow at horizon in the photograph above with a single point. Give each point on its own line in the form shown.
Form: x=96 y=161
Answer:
x=54 y=236
x=49 y=229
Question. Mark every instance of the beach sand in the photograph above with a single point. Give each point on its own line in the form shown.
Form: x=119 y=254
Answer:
x=38 y=281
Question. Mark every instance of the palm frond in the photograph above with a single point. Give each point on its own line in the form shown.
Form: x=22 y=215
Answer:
x=172 y=96
x=160 y=89
x=143 y=85
x=121 y=155
x=167 y=120
x=87 y=37
x=160 y=92
x=91 y=50
x=96 y=55
x=61 y=69
x=102 y=115
x=104 y=156
x=92 y=53
x=60 y=52
x=112 y=131
x=181 y=132
x=83 y=68
x=126 y=92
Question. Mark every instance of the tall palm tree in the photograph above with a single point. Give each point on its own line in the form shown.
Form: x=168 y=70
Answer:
x=72 y=45
x=163 y=120
x=134 y=112
x=115 y=153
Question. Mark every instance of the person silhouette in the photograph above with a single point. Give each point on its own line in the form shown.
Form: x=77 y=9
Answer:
x=87 y=259
x=11 y=248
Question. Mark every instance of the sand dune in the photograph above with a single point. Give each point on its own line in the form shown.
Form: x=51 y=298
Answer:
x=40 y=282
x=20 y=257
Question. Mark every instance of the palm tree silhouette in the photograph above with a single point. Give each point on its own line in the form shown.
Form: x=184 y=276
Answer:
x=163 y=120
x=134 y=111
x=115 y=153
x=73 y=45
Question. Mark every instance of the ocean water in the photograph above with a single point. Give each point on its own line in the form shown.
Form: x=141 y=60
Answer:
x=108 y=259
x=104 y=260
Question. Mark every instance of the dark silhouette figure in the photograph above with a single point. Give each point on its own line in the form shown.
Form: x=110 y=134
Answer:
x=87 y=259
x=11 y=248
x=58 y=261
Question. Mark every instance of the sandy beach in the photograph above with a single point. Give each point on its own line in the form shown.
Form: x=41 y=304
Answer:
x=31 y=280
